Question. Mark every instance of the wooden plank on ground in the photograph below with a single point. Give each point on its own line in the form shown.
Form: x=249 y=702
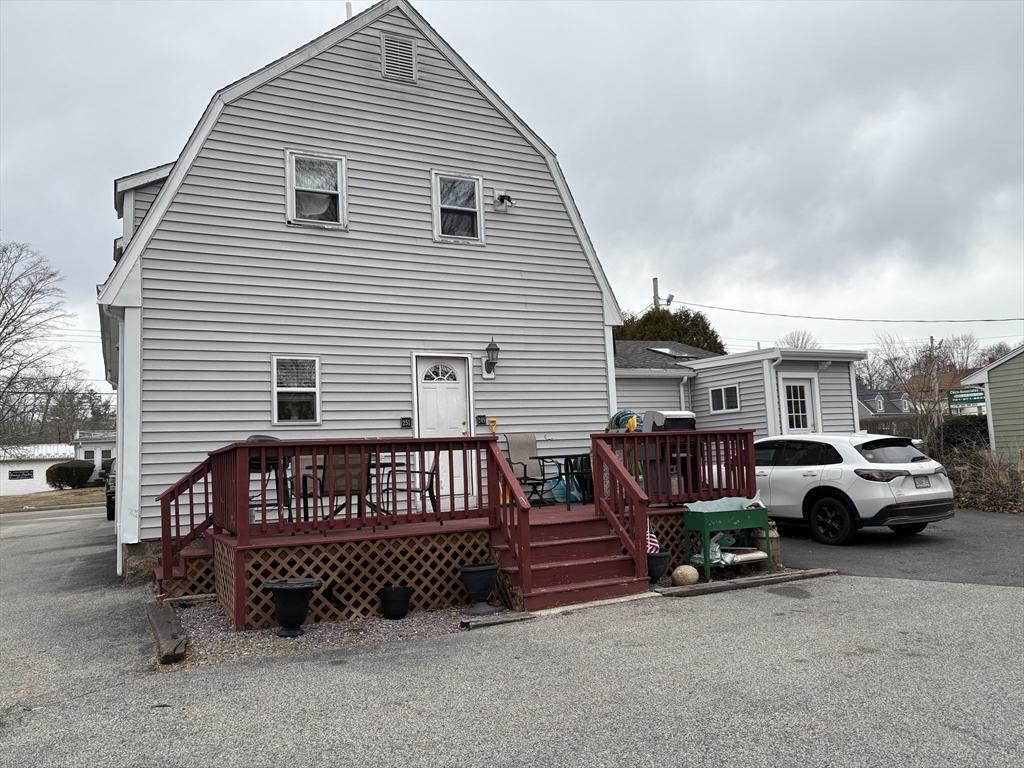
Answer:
x=171 y=640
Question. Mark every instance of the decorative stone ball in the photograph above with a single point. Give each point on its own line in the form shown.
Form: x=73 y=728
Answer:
x=685 y=574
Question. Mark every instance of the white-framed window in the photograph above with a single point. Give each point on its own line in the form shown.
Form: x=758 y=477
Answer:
x=725 y=399
x=458 y=207
x=296 y=390
x=316 y=189
x=90 y=455
x=105 y=453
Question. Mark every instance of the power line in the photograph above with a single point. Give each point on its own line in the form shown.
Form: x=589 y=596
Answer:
x=850 y=319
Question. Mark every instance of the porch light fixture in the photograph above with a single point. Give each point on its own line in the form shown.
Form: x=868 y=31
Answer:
x=503 y=201
x=492 y=359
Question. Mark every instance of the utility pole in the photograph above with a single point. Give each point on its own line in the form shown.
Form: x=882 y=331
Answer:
x=657 y=299
x=935 y=381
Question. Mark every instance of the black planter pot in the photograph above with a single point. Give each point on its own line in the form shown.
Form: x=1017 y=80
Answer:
x=291 y=599
x=657 y=564
x=479 y=580
x=394 y=602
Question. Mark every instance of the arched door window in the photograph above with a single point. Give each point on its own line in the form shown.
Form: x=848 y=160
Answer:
x=440 y=372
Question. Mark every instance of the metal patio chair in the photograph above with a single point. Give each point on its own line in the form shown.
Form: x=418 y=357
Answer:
x=531 y=469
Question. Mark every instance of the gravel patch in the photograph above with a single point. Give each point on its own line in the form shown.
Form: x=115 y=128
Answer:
x=211 y=639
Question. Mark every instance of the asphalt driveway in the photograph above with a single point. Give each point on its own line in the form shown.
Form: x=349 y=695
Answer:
x=971 y=547
x=843 y=671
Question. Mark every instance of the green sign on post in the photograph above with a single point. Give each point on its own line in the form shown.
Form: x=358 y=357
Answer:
x=966 y=397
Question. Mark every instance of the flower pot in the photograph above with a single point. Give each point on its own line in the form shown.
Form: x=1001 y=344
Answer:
x=657 y=564
x=291 y=600
x=394 y=602
x=479 y=580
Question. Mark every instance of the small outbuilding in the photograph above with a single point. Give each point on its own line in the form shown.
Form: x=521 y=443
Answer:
x=95 y=446
x=1003 y=382
x=23 y=468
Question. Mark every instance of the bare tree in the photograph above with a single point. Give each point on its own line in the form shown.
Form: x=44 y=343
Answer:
x=959 y=353
x=993 y=352
x=799 y=340
x=31 y=369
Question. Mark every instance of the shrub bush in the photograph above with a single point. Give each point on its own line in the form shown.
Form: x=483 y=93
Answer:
x=985 y=481
x=960 y=434
x=105 y=466
x=69 y=474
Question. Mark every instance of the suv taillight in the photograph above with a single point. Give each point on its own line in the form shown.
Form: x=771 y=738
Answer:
x=881 y=475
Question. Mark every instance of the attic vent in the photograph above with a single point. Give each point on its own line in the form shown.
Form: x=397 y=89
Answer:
x=398 y=57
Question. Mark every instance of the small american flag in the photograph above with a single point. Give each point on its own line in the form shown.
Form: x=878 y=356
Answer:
x=652 y=544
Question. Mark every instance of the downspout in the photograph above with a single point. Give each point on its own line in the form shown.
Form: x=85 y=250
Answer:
x=682 y=391
x=773 y=381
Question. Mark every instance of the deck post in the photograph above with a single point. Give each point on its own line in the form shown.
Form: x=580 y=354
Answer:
x=240 y=456
x=166 y=566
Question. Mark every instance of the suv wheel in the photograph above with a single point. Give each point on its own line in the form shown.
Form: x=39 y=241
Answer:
x=908 y=529
x=831 y=521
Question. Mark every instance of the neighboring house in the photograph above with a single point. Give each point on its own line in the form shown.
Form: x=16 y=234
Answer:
x=95 y=446
x=340 y=241
x=773 y=391
x=23 y=468
x=1003 y=381
x=652 y=374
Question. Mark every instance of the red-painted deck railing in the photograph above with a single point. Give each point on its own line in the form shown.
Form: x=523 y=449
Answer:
x=290 y=487
x=622 y=501
x=510 y=512
x=677 y=467
x=186 y=510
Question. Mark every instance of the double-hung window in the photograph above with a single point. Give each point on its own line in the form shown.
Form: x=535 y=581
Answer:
x=458 y=207
x=316 y=190
x=725 y=399
x=296 y=390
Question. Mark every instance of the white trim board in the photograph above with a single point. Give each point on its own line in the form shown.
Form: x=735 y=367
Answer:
x=775 y=353
x=111 y=289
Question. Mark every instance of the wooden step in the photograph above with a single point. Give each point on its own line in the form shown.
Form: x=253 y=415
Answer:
x=578 y=548
x=576 y=571
x=583 y=592
x=558 y=530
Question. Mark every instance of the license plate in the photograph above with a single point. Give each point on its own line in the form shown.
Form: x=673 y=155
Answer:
x=922 y=482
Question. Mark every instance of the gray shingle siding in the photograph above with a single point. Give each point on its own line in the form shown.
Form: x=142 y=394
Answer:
x=227 y=283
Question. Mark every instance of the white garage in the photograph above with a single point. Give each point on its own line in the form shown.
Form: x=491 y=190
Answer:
x=23 y=469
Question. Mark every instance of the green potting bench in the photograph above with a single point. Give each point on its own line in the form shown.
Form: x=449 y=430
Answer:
x=726 y=520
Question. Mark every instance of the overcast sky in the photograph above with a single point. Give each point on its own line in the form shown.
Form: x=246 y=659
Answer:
x=861 y=159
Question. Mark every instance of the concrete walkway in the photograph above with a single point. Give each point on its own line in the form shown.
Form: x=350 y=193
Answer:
x=843 y=671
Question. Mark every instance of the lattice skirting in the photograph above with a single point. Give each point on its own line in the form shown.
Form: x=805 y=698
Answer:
x=198 y=579
x=224 y=576
x=510 y=594
x=353 y=573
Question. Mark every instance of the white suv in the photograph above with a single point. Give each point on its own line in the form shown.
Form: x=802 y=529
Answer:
x=839 y=483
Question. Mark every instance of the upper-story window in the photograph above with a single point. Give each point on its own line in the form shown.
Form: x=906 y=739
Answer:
x=458 y=207
x=316 y=190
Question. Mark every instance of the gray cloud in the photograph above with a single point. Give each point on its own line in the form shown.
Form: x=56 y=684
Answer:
x=781 y=155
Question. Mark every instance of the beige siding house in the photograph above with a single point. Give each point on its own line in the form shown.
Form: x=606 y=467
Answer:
x=1003 y=380
x=773 y=391
x=342 y=237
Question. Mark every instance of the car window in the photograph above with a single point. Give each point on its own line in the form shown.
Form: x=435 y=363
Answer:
x=892 y=450
x=829 y=455
x=799 y=453
x=764 y=453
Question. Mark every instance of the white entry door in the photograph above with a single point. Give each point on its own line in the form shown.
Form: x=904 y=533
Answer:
x=799 y=411
x=443 y=394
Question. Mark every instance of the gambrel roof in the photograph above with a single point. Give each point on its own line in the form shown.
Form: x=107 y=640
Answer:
x=111 y=292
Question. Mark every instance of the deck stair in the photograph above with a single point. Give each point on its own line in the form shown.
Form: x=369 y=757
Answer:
x=574 y=557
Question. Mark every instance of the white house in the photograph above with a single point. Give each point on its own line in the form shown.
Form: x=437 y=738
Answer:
x=346 y=236
x=95 y=446
x=772 y=391
x=23 y=469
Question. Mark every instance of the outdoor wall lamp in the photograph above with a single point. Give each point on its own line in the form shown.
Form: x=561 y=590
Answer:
x=492 y=359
